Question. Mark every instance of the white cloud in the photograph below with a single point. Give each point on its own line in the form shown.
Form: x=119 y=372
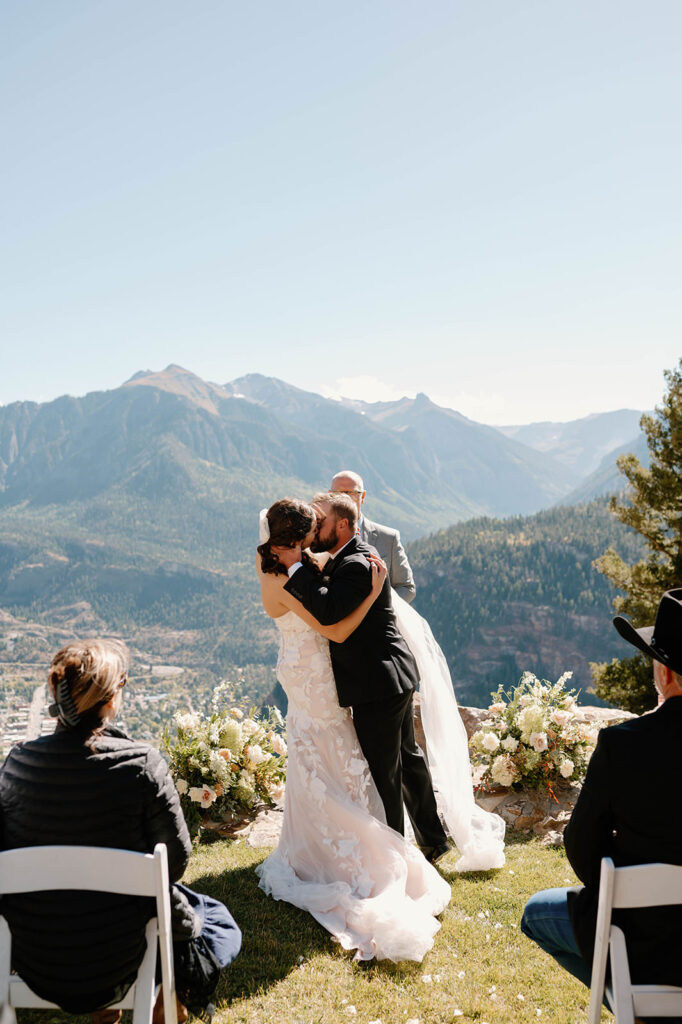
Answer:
x=364 y=388
x=484 y=407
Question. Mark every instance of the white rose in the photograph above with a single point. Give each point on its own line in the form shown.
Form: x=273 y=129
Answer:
x=187 y=720
x=255 y=754
x=277 y=792
x=277 y=743
x=588 y=734
x=561 y=718
x=218 y=765
x=203 y=795
x=181 y=786
x=497 y=707
x=566 y=768
x=249 y=727
x=538 y=741
x=503 y=771
x=490 y=741
x=510 y=744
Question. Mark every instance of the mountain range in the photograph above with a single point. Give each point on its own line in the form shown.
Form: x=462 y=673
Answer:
x=135 y=509
x=582 y=444
x=425 y=466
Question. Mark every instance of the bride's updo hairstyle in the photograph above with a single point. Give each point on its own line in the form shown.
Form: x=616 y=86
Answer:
x=289 y=521
x=83 y=677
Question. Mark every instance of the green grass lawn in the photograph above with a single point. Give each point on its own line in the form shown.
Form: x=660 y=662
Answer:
x=481 y=968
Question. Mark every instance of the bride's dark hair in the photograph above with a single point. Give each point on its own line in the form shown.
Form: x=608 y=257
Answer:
x=289 y=520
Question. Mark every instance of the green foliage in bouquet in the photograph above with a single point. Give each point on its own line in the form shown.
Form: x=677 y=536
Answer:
x=532 y=738
x=227 y=763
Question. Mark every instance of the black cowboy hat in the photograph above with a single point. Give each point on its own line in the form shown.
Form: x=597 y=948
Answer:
x=663 y=640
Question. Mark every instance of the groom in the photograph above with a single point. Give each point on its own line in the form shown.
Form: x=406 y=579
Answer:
x=374 y=670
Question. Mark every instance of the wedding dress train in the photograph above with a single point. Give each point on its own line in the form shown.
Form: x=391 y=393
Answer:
x=479 y=835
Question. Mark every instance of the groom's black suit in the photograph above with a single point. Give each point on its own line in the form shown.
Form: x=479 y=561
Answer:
x=376 y=676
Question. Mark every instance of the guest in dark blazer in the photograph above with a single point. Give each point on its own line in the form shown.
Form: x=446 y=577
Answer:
x=383 y=538
x=374 y=670
x=626 y=810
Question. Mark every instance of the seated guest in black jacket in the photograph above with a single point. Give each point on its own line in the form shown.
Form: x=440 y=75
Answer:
x=626 y=810
x=88 y=784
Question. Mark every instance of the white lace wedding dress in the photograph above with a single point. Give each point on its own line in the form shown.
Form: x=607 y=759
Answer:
x=336 y=858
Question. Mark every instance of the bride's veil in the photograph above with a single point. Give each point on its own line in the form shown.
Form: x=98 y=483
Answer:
x=479 y=835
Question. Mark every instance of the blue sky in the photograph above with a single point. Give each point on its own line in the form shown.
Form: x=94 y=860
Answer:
x=477 y=200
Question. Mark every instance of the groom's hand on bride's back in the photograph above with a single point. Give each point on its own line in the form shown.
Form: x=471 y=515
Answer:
x=287 y=556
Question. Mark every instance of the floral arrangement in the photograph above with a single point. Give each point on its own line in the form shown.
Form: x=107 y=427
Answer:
x=227 y=763
x=532 y=738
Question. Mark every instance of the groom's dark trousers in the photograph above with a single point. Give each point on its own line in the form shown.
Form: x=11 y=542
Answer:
x=376 y=677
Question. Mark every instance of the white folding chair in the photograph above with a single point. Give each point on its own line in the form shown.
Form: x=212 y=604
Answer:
x=644 y=885
x=95 y=869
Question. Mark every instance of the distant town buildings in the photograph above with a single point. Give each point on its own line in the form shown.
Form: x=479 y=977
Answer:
x=22 y=719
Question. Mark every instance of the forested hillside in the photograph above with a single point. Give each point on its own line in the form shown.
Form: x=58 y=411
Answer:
x=503 y=596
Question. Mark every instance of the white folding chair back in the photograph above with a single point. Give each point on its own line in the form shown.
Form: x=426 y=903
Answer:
x=644 y=885
x=95 y=869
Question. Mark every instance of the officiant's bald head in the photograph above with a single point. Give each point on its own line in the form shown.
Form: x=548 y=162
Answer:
x=350 y=483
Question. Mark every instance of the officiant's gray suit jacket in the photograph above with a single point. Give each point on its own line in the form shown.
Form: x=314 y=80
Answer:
x=387 y=543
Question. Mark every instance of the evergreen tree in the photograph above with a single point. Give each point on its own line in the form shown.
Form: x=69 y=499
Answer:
x=653 y=508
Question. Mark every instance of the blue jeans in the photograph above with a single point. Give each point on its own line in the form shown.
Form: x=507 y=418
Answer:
x=545 y=920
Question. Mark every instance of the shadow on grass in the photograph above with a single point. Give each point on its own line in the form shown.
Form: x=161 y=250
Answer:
x=275 y=935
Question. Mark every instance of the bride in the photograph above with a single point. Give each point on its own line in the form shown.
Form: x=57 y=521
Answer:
x=337 y=859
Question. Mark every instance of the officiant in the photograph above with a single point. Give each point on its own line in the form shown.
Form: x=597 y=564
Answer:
x=383 y=538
